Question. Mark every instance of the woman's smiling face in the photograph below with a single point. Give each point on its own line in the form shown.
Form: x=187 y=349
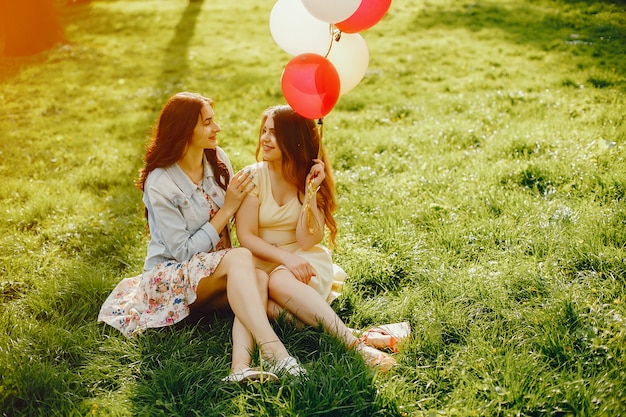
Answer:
x=205 y=132
x=269 y=145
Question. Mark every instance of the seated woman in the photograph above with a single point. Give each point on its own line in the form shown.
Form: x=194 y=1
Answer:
x=282 y=222
x=190 y=195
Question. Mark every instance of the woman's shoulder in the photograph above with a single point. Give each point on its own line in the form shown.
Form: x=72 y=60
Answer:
x=161 y=178
x=260 y=177
x=257 y=166
x=155 y=176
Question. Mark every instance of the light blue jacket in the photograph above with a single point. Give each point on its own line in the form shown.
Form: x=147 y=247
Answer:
x=178 y=213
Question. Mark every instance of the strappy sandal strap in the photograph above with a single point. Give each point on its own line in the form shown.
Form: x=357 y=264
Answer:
x=373 y=357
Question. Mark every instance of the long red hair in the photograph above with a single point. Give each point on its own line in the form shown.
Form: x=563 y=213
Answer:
x=172 y=133
x=299 y=143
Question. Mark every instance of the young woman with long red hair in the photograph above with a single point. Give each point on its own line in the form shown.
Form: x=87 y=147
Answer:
x=190 y=195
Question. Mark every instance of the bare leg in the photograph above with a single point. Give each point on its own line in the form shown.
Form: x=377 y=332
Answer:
x=274 y=310
x=243 y=343
x=242 y=347
x=306 y=304
x=236 y=275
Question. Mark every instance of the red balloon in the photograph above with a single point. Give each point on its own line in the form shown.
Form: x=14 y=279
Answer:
x=367 y=15
x=310 y=84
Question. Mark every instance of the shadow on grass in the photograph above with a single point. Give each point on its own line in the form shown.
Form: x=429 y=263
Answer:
x=175 y=63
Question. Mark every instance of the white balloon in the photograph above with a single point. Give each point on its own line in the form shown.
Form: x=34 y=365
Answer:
x=296 y=31
x=331 y=11
x=350 y=56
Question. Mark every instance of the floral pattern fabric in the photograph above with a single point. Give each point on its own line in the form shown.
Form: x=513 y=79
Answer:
x=161 y=297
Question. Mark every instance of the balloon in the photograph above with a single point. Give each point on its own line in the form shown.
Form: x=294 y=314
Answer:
x=331 y=11
x=367 y=15
x=350 y=57
x=296 y=31
x=310 y=85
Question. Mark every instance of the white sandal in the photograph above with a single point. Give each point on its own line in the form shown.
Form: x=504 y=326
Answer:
x=251 y=375
x=288 y=365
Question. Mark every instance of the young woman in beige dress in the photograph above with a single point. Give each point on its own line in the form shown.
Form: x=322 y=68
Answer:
x=283 y=219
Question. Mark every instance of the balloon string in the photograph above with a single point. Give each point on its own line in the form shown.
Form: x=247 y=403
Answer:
x=320 y=122
x=335 y=36
x=312 y=223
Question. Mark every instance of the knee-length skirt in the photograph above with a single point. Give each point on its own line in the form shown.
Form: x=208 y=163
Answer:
x=159 y=297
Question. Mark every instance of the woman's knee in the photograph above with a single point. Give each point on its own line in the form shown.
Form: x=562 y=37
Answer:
x=238 y=256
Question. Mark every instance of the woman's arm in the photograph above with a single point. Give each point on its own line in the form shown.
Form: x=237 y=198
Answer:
x=247 y=226
x=237 y=190
x=310 y=227
x=172 y=228
x=181 y=243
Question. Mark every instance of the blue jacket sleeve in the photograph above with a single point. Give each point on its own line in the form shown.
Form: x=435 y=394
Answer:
x=172 y=226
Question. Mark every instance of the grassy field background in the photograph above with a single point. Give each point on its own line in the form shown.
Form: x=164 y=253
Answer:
x=481 y=177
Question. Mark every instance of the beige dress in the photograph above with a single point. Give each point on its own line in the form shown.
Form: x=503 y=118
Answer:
x=277 y=225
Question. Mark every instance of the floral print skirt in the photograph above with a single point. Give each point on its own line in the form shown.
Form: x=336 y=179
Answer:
x=159 y=297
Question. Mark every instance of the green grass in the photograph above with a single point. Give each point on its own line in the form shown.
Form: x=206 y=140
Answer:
x=481 y=175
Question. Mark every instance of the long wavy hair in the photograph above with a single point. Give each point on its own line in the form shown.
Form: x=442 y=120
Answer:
x=299 y=143
x=172 y=133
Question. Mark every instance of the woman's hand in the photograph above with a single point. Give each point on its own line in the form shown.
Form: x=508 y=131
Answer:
x=299 y=267
x=238 y=188
x=316 y=174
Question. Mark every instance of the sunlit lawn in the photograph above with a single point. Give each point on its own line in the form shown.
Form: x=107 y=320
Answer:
x=481 y=174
